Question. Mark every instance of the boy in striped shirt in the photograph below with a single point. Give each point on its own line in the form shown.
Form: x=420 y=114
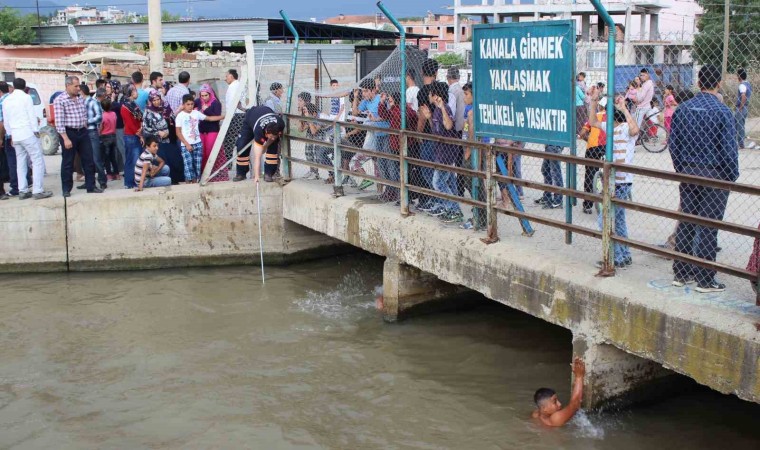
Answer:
x=624 y=136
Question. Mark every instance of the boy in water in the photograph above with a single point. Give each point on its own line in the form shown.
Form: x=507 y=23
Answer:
x=549 y=410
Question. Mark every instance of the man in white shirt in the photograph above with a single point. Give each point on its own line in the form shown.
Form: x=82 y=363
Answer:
x=232 y=90
x=456 y=99
x=644 y=96
x=22 y=125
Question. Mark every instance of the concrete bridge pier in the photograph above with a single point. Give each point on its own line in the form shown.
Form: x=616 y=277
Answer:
x=617 y=379
x=408 y=290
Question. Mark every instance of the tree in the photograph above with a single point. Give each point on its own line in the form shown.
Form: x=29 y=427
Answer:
x=16 y=29
x=744 y=36
x=449 y=59
x=166 y=16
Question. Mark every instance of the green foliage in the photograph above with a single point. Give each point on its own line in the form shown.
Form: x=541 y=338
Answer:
x=449 y=59
x=744 y=36
x=16 y=29
x=174 y=49
x=166 y=16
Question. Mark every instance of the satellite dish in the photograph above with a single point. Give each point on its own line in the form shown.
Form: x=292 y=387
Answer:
x=73 y=33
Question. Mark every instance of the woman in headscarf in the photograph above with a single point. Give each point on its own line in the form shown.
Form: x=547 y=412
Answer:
x=158 y=121
x=132 y=116
x=208 y=104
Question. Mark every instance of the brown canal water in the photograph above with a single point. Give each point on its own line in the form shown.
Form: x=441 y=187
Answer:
x=208 y=358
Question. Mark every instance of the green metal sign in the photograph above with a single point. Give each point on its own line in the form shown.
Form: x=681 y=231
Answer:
x=523 y=81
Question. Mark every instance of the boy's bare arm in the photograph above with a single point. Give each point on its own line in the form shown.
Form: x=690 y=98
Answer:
x=564 y=415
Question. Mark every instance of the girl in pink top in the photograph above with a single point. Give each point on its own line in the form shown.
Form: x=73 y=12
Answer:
x=670 y=106
x=108 y=140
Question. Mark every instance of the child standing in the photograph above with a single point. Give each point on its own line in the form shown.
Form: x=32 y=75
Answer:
x=108 y=146
x=670 y=106
x=189 y=134
x=624 y=135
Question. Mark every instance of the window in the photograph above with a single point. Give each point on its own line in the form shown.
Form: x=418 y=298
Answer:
x=672 y=55
x=8 y=77
x=644 y=55
x=450 y=30
x=409 y=29
x=450 y=46
x=35 y=96
x=596 y=59
x=433 y=46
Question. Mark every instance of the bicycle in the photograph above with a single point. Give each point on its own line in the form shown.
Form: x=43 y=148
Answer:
x=653 y=136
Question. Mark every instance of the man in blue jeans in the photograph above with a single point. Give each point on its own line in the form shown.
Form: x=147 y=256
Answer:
x=551 y=169
x=94 y=119
x=5 y=141
x=702 y=143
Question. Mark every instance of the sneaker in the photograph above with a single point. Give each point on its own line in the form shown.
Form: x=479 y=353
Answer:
x=750 y=145
x=541 y=201
x=24 y=195
x=238 y=178
x=628 y=261
x=268 y=178
x=104 y=186
x=352 y=182
x=12 y=194
x=66 y=194
x=43 y=194
x=5 y=197
x=681 y=282
x=467 y=225
x=426 y=207
x=95 y=190
x=618 y=265
x=365 y=184
x=588 y=211
x=712 y=286
x=436 y=212
x=454 y=217
x=552 y=205
x=82 y=186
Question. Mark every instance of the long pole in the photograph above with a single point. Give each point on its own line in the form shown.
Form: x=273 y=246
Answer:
x=726 y=29
x=261 y=238
x=154 y=36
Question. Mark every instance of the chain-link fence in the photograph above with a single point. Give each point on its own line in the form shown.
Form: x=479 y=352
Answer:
x=434 y=167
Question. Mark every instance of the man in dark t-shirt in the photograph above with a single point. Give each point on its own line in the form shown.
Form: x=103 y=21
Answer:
x=262 y=126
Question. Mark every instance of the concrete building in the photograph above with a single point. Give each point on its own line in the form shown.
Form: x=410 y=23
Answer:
x=442 y=32
x=88 y=15
x=639 y=40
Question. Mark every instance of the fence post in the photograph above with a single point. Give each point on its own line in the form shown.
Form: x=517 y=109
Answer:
x=608 y=268
x=338 y=185
x=285 y=151
x=476 y=187
x=491 y=219
x=294 y=61
x=403 y=174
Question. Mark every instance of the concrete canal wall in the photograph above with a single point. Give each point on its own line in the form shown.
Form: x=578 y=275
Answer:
x=165 y=227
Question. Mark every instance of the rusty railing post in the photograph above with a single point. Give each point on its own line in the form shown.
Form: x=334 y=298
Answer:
x=608 y=261
x=285 y=151
x=403 y=174
x=491 y=219
x=337 y=183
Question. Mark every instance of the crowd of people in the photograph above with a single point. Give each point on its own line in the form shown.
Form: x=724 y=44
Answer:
x=106 y=132
x=695 y=123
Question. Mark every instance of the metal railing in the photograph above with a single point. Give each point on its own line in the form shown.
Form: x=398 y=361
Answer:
x=488 y=176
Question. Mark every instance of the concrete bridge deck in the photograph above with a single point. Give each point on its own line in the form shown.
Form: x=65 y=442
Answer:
x=713 y=339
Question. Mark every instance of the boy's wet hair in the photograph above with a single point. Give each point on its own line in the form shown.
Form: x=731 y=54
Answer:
x=150 y=139
x=543 y=394
x=188 y=98
x=467 y=86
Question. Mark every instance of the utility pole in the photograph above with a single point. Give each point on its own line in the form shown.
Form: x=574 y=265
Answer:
x=726 y=29
x=154 y=36
x=39 y=23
